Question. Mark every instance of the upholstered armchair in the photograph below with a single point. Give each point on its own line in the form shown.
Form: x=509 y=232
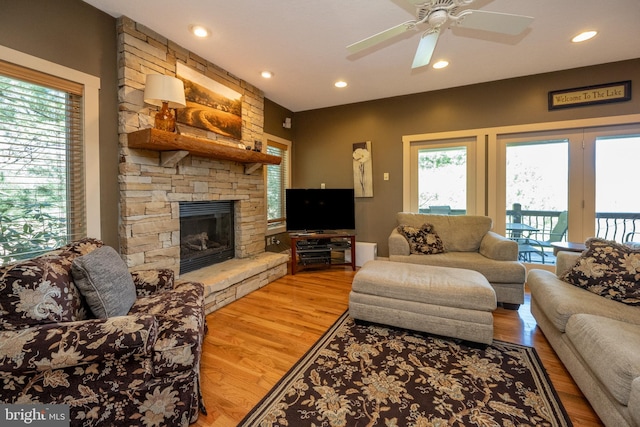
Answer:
x=461 y=241
x=136 y=368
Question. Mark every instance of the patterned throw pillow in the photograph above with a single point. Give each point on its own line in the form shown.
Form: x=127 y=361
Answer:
x=609 y=269
x=37 y=291
x=41 y=290
x=423 y=240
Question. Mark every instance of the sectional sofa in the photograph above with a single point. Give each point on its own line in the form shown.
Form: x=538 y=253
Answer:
x=596 y=338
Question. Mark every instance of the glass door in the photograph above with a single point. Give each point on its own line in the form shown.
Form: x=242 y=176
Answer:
x=566 y=186
x=537 y=197
x=614 y=213
x=538 y=191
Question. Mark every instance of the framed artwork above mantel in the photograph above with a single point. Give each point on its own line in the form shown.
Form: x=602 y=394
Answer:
x=210 y=105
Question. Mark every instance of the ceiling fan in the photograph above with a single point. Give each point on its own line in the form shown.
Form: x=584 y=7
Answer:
x=435 y=14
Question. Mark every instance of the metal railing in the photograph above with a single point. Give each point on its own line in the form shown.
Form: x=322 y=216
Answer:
x=616 y=226
x=609 y=225
x=543 y=221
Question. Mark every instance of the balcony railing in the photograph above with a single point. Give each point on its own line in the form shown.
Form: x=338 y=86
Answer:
x=616 y=226
x=543 y=221
x=609 y=225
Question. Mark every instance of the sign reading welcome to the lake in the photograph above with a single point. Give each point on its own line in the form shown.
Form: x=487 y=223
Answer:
x=210 y=105
x=589 y=95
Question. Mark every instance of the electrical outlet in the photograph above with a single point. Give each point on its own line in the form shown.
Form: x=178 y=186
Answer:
x=386 y=176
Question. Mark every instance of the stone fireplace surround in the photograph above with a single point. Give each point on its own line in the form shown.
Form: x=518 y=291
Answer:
x=150 y=192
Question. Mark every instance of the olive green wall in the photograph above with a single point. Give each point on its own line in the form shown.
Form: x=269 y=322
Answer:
x=274 y=115
x=76 y=35
x=323 y=138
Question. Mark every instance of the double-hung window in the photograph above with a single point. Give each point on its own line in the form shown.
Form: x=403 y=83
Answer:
x=277 y=182
x=42 y=158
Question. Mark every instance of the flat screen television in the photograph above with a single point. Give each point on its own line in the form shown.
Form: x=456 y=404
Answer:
x=320 y=210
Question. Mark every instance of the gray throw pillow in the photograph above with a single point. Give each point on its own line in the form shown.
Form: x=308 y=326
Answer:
x=104 y=280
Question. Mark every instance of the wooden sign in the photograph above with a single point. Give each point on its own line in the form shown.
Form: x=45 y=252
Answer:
x=590 y=95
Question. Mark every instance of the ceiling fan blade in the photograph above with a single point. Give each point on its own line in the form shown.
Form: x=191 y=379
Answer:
x=380 y=37
x=494 y=21
x=425 y=48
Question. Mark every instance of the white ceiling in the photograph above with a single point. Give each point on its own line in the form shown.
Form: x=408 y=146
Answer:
x=303 y=42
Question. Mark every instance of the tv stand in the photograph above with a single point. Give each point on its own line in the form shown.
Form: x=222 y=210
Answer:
x=314 y=249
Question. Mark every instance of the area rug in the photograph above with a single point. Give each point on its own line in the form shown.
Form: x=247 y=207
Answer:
x=361 y=374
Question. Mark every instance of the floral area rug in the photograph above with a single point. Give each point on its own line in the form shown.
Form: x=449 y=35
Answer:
x=361 y=374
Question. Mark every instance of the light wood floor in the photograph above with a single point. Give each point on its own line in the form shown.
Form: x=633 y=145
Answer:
x=252 y=343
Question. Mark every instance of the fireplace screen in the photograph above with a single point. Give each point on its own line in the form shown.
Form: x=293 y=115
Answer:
x=206 y=234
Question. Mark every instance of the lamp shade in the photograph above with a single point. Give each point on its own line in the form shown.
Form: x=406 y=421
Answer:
x=160 y=88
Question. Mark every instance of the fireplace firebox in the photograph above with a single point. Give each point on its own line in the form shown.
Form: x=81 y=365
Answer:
x=206 y=234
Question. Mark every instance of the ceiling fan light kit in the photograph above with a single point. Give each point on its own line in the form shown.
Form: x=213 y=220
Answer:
x=435 y=14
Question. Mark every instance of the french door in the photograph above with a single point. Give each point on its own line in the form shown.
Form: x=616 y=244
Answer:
x=567 y=185
x=612 y=161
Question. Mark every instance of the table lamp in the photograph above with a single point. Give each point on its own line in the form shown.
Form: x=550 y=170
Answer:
x=166 y=92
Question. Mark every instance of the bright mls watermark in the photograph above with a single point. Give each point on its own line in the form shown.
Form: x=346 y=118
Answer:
x=34 y=415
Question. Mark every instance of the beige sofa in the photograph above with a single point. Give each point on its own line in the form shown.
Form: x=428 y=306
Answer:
x=598 y=341
x=469 y=244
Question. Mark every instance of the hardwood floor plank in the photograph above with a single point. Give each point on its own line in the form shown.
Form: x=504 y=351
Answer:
x=254 y=341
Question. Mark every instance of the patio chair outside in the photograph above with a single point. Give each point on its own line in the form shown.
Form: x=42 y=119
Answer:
x=557 y=234
x=632 y=239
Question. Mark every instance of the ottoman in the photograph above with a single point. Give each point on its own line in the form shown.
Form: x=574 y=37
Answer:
x=453 y=302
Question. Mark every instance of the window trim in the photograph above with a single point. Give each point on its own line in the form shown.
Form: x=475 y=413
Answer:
x=490 y=156
x=265 y=140
x=476 y=170
x=90 y=99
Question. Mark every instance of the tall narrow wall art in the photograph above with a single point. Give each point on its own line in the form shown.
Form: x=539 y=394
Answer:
x=362 y=169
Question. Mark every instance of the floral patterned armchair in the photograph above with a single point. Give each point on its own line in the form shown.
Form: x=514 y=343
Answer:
x=141 y=368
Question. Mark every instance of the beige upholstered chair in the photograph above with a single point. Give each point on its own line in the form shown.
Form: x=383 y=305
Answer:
x=469 y=243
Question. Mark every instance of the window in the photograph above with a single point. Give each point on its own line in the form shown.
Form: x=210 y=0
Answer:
x=43 y=152
x=277 y=181
x=441 y=173
x=540 y=183
x=442 y=180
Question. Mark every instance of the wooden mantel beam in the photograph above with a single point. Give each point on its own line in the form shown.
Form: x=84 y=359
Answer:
x=158 y=140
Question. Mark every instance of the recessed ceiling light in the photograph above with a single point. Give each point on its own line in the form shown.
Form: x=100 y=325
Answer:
x=584 y=36
x=266 y=74
x=199 y=31
x=440 y=64
x=340 y=83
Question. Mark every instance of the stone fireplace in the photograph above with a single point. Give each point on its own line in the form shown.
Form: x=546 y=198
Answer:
x=206 y=234
x=155 y=185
